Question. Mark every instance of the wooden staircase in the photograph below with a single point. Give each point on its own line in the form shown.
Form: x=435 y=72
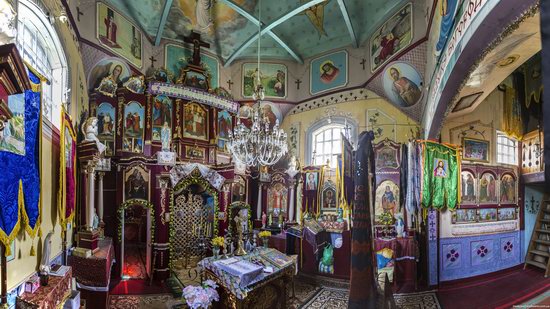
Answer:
x=538 y=254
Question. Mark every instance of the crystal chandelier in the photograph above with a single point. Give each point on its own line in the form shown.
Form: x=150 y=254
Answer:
x=259 y=144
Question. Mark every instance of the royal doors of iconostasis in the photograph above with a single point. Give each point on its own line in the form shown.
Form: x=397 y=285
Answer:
x=194 y=211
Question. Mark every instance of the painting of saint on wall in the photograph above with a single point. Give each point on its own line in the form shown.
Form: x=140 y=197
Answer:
x=475 y=149
x=328 y=196
x=443 y=23
x=136 y=183
x=112 y=67
x=328 y=72
x=468 y=188
x=487 y=214
x=387 y=198
x=506 y=214
x=441 y=168
x=386 y=157
x=464 y=216
x=392 y=37
x=175 y=59
x=194 y=79
x=134 y=120
x=106 y=126
x=162 y=115
x=225 y=124
x=508 y=189
x=311 y=181
x=402 y=84
x=119 y=35
x=271 y=75
x=12 y=138
x=269 y=110
x=195 y=122
x=277 y=196
x=488 y=189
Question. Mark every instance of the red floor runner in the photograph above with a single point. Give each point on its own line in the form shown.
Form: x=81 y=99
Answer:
x=136 y=286
x=499 y=290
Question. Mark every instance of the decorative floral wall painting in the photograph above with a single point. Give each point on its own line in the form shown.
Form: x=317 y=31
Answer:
x=468 y=188
x=136 y=183
x=508 y=189
x=506 y=214
x=195 y=122
x=487 y=214
x=119 y=35
x=162 y=115
x=273 y=78
x=328 y=72
x=402 y=84
x=488 y=189
x=392 y=37
x=112 y=67
x=475 y=149
x=175 y=58
x=277 y=196
x=12 y=138
x=464 y=216
x=134 y=120
x=225 y=124
x=387 y=199
x=106 y=126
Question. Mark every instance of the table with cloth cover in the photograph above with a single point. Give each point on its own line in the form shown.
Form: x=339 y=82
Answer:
x=405 y=254
x=51 y=296
x=268 y=290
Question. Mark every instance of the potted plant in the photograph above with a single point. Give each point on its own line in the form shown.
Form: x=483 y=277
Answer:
x=264 y=235
x=201 y=296
x=217 y=243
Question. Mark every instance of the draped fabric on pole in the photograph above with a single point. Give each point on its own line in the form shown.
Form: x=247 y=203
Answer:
x=313 y=179
x=67 y=171
x=362 y=293
x=545 y=31
x=441 y=175
x=512 y=124
x=20 y=181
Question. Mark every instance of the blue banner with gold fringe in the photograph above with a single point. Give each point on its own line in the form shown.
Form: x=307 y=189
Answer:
x=20 y=166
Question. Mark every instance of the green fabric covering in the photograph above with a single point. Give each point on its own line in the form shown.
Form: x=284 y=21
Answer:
x=441 y=168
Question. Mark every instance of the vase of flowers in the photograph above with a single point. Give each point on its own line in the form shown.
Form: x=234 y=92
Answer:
x=217 y=243
x=201 y=296
x=264 y=235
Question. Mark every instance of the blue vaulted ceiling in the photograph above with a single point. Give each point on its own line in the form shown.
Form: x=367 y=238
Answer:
x=299 y=28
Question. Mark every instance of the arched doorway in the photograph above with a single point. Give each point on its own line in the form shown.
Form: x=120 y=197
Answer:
x=136 y=235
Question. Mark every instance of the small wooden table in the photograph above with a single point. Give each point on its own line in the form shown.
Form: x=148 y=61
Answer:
x=267 y=291
x=51 y=296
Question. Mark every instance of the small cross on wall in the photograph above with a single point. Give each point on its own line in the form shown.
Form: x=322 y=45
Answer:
x=298 y=82
x=229 y=83
x=153 y=60
x=363 y=62
x=78 y=13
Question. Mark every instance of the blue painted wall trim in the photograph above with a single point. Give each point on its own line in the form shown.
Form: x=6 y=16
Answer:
x=464 y=257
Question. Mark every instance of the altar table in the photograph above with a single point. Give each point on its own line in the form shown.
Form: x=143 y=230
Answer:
x=51 y=296
x=268 y=290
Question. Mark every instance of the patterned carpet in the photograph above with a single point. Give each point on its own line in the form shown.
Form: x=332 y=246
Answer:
x=158 y=301
x=422 y=300
x=328 y=298
x=134 y=262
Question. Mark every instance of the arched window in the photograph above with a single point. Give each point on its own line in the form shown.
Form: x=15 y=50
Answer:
x=324 y=141
x=41 y=48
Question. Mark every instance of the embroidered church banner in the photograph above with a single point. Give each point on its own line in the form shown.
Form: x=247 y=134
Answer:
x=67 y=171
x=441 y=166
x=20 y=163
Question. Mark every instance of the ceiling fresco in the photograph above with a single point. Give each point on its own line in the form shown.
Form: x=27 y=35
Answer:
x=313 y=29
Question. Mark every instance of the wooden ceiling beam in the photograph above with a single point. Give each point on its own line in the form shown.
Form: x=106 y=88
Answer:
x=163 y=18
x=349 y=25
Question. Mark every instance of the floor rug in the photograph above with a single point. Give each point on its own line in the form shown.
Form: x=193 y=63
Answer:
x=137 y=287
x=158 y=301
x=134 y=262
x=328 y=298
x=422 y=300
x=303 y=292
x=500 y=290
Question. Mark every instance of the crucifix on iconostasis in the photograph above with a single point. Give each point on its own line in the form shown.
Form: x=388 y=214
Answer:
x=195 y=39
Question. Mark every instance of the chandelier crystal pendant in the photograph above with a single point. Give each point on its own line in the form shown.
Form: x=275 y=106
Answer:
x=259 y=144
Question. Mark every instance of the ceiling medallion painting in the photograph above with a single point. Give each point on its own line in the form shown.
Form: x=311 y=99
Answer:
x=402 y=84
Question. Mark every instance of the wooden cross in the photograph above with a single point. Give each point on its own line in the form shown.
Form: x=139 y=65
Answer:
x=153 y=60
x=78 y=13
x=195 y=39
x=363 y=62
x=229 y=83
x=298 y=82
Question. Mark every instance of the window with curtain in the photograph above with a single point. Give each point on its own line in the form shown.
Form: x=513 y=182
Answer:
x=40 y=47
